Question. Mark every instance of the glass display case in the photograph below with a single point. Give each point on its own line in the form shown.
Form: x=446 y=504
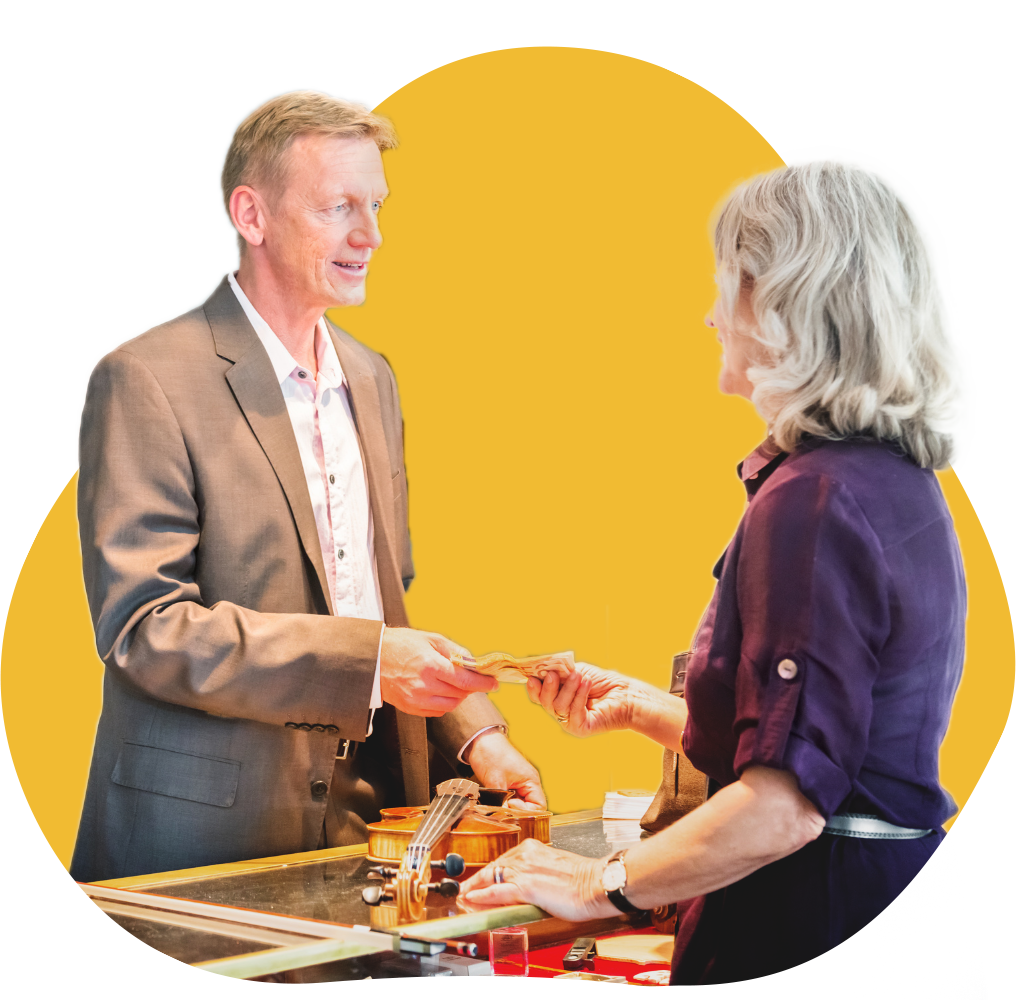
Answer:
x=326 y=885
x=110 y=946
x=301 y=918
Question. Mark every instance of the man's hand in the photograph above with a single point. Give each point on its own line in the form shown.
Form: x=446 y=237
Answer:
x=498 y=764
x=417 y=677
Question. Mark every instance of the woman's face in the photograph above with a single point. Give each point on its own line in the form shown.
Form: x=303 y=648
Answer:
x=739 y=346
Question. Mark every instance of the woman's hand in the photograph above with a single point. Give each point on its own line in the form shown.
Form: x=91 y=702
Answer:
x=593 y=701
x=589 y=701
x=563 y=884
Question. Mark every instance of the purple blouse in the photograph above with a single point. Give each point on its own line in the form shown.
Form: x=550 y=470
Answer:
x=847 y=564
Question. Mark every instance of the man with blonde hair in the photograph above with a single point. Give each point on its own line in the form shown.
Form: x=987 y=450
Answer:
x=243 y=510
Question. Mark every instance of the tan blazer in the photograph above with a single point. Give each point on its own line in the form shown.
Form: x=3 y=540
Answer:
x=228 y=684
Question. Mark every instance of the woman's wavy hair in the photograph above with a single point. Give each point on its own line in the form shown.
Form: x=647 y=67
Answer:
x=846 y=310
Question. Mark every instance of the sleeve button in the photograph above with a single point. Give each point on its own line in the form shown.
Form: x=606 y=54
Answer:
x=787 y=669
x=291 y=725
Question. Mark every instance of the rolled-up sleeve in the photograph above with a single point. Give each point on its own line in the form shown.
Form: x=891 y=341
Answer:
x=812 y=588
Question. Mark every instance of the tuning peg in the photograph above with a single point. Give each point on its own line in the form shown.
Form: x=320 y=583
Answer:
x=447 y=887
x=373 y=895
x=381 y=872
x=453 y=865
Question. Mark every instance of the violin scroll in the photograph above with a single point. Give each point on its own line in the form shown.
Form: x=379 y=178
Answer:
x=375 y=895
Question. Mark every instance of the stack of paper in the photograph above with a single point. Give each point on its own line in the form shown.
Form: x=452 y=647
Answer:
x=620 y=815
x=627 y=803
x=621 y=833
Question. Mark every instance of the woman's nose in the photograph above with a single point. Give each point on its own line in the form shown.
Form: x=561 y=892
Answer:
x=709 y=321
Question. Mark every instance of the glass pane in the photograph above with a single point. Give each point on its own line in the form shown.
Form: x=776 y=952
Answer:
x=320 y=890
x=331 y=890
x=73 y=941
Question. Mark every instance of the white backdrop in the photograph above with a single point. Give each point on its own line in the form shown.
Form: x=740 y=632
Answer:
x=131 y=257
x=928 y=134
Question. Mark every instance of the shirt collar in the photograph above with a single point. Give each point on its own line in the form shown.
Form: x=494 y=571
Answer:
x=280 y=358
x=759 y=465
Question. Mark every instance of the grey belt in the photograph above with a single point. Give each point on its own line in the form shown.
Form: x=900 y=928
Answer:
x=870 y=828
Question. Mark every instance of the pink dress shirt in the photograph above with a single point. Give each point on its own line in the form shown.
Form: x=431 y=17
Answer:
x=327 y=440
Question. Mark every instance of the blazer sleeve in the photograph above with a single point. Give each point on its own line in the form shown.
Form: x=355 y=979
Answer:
x=140 y=524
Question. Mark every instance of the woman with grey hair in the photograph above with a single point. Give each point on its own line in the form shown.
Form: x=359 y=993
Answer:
x=818 y=688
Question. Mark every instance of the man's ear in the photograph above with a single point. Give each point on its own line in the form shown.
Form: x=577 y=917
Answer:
x=248 y=213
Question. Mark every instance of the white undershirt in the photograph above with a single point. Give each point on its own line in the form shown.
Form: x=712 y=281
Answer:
x=327 y=441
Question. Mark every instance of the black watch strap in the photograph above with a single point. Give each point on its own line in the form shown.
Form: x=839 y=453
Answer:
x=622 y=903
x=616 y=896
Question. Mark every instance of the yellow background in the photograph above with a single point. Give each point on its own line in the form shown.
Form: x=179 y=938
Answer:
x=541 y=296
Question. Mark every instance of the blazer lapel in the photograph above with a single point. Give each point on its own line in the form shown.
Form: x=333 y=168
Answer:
x=367 y=409
x=257 y=391
x=412 y=735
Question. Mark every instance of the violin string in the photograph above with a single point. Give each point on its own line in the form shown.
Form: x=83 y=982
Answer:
x=443 y=813
x=452 y=800
x=450 y=794
x=439 y=819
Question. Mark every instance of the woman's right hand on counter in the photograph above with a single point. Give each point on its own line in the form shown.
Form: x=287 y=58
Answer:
x=592 y=701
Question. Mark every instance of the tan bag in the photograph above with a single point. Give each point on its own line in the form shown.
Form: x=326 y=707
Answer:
x=683 y=786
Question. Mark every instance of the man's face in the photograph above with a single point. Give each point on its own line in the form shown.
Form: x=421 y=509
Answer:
x=324 y=226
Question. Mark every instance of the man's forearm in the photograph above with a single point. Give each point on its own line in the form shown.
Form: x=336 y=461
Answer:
x=273 y=668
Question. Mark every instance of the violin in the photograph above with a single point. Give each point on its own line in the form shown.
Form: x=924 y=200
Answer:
x=457 y=826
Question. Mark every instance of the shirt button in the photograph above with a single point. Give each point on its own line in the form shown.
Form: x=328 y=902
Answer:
x=787 y=669
x=319 y=788
x=332 y=479
x=339 y=553
x=302 y=375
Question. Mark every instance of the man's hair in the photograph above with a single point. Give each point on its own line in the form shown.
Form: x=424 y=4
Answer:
x=845 y=307
x=258 y=151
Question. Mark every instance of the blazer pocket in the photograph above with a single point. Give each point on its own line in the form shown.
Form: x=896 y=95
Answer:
x=212 y=780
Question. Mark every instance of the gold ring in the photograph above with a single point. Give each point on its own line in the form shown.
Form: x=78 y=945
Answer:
x=561 y=718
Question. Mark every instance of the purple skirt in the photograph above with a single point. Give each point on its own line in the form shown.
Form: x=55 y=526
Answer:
x=793 y=909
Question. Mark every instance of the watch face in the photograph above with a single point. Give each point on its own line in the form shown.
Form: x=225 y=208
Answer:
x=614 y=876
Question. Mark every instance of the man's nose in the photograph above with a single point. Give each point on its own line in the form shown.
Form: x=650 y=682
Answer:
x=367 y=233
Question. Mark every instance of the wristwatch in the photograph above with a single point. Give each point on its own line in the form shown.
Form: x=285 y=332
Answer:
x=614 y=881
